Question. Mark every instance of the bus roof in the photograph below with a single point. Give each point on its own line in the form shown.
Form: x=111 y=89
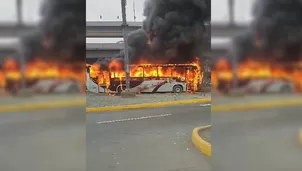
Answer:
x=163 y=65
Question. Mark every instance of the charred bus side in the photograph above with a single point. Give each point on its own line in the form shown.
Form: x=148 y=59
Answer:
x=152 y=78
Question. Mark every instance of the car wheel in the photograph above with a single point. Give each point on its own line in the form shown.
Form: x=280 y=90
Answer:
x=73 y=89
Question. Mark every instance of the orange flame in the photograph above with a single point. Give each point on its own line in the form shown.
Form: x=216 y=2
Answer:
x=147 y=70
x=252 y=69
x=39 y=69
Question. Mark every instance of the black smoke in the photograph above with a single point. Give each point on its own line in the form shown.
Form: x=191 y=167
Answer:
x=31 y=44
x=60 y=34
x=175 y=28
x=242 y=46
x=275 y=32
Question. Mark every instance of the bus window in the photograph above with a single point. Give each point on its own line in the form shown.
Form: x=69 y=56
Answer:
x=136 y=71
x=150 y=72
x=165 y=71
x=178 y=72
x=117 y=74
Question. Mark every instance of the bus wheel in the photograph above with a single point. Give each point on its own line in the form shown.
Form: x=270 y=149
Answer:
x=177 y=89
x=286 y=89
x=120 y=89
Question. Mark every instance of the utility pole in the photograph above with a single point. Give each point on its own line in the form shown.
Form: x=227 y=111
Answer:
x=21 y=54
x=206 y=73
x=235 y=73
x=234 y=63
x=134 y=11
x=19 y=5
x=125 y=35
x=231 y=4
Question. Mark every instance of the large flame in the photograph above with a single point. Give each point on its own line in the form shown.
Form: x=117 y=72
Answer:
x=39 y=69
x=252 y=69
x=148 y=70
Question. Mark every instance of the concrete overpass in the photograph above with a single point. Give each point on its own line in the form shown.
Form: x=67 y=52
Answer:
x=107 y=50
x=7 y=49
x=113 y=29
x=14 y=30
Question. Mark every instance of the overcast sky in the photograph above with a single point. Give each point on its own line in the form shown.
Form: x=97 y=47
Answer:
x=112 y=11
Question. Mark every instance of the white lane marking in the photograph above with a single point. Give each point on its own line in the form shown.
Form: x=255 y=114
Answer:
x=131 y=119
x=205 y=105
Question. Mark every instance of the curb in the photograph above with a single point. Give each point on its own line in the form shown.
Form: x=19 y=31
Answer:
x=254 y=106
x=148 y=105
x=42 y=106
x=202 y=145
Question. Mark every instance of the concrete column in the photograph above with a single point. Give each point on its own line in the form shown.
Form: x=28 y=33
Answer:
x=19 y=5
x=231 y=8
x=125 y=35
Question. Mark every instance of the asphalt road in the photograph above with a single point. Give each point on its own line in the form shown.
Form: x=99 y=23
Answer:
x=264 y=140
x=146 y=139
x=43 y=140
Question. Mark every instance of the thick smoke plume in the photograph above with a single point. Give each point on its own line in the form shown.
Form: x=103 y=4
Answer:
x=274 y=33
x=175 y=28
x=173 y=31
x=60 y=34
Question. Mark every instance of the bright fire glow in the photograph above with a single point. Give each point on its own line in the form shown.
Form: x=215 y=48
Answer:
x=39 y=69
x=147 y=70
x=251 y=69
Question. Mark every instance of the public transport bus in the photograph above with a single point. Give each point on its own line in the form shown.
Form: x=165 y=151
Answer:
x=147 y=78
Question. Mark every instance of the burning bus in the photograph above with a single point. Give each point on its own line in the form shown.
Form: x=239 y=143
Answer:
x=258 y=76
x=145 y=78
x=41 y=76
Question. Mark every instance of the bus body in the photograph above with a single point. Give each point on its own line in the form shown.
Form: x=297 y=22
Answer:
x=260 y=85
x=150 y=85
x=143 y=82
x=92 y=86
